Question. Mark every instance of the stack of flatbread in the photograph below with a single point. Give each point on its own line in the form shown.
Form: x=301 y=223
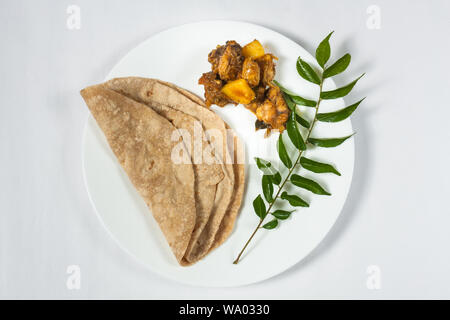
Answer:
x=183 y=159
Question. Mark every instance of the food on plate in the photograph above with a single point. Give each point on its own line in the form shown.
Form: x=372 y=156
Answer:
x=227 y=60
x=213 y=93
x=207 y=176
x=244 y=75
x=153 y=92
x=239 y=91
x=250 y=72
x=217 y=182
x=253 y=50
x=141 y=141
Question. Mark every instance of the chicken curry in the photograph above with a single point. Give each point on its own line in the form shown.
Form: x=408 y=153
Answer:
x=243 y=75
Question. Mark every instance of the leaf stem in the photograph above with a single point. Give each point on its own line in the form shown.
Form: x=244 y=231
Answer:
x=297 y=162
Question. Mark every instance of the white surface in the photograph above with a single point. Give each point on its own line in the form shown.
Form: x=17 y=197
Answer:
x=395 y=217
x=128 y=219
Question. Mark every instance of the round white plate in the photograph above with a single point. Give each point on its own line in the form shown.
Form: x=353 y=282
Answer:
x=179 y=55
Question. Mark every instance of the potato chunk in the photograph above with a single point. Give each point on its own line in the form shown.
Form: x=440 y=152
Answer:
x=253 y=50
x=239 y=91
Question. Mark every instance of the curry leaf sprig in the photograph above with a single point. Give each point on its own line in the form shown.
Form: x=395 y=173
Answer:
x=271 y=177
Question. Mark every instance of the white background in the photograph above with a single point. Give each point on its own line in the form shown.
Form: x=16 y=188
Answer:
x=396 y=215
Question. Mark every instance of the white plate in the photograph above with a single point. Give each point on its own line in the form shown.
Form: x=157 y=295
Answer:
x=179 y=55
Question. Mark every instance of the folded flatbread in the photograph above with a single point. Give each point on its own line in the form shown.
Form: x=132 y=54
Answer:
x=141 y=140
x=207 y=174
x=218 y=179
x=151 y=92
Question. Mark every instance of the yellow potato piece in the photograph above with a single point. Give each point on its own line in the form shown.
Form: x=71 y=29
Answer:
x=239 y=91
x=253 y=50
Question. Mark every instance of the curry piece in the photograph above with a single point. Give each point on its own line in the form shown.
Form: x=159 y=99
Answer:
x=281 y=114
x=227 y=60
x=260 y=95
x=267 y=67
x=244 y=75
x=251 y=72
x=272 y=112
x=213 y=93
